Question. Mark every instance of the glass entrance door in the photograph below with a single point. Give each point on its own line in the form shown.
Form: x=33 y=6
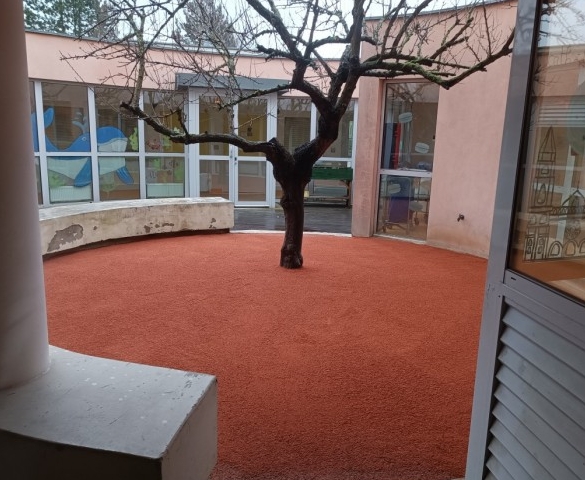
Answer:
x=251 y=180
x=406 y=162
x=215 y=159
x=225 y=170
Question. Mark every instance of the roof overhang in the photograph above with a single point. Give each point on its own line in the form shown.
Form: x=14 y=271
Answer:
x=192 y=80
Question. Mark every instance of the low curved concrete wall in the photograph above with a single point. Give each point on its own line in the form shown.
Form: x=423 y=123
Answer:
x=71 y=226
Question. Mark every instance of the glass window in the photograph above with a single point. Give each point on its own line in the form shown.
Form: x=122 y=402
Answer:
x=403 y=208
x=343 y=146
x=117 y=131
x=293 y=126
x=549 y=228
x=119 y=178
x=251 y=181
x=65 y=113
x=69 y=179
x=214 y=178
x=165 y=177
x=213 y=120
x=294 y=122
x=410 y=121
x=164 y=107
x=408 y=138
x=252 y=118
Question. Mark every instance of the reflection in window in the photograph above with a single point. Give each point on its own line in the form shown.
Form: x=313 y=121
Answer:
x=213 y=120
x=410 y=121
x=343 y=146
x=549 y=231
x=164 y=107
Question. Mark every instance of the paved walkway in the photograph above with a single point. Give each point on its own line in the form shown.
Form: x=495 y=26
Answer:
x=317 y=219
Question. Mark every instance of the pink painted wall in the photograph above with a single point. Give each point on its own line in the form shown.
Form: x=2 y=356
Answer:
x=469 y=136
x=43 y=55
x=365 y=178
x=467 y=150
x=44 y=52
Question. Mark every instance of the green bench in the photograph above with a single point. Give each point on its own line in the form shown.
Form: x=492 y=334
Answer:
x=343 y=174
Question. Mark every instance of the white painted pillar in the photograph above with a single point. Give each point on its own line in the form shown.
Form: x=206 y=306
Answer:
x=24 y=348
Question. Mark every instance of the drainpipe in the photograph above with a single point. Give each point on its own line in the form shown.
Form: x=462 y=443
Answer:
x=24 y=346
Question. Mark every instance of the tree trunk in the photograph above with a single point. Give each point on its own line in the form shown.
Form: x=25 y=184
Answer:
x=292 y=203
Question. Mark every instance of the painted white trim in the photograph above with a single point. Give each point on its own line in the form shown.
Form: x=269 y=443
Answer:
x=272 y=126
x=141 y=152
x=93 y=146
x=193 y=182
x=314 y=114
x=407 y=173
x=354 y=134
x=38 y=87
x=233 y=166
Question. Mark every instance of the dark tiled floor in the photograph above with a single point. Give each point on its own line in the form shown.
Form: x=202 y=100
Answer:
x=329 y=219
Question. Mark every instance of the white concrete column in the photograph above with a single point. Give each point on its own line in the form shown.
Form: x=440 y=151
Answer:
x=24 y=349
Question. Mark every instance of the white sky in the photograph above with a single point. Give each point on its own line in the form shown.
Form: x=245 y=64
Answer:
x=293 y=11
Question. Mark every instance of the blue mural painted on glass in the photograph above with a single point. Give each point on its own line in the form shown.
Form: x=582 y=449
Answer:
x=109 y=139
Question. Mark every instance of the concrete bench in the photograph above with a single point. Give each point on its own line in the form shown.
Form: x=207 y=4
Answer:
x=93 y=418
x=72 y=226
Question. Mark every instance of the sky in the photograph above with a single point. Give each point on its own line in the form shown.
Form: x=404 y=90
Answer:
x=292 y=12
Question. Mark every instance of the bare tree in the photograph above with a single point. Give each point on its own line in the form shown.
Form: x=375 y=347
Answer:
x=402 y=39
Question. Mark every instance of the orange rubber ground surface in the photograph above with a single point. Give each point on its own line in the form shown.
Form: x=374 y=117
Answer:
x=358 y=366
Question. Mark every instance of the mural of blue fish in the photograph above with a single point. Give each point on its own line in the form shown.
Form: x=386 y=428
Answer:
x=109 y=139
